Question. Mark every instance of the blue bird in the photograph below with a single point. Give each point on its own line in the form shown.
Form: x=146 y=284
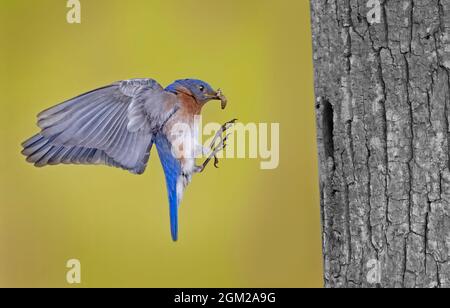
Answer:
x=117 y=125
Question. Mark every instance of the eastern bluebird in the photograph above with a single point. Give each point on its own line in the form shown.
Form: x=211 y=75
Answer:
x=117 y=126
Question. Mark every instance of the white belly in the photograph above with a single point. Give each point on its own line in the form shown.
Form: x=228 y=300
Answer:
x=185 y=145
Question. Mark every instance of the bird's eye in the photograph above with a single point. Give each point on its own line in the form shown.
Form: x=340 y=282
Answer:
x=202 y=88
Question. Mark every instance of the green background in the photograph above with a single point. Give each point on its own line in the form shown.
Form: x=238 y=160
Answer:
x=239 y=226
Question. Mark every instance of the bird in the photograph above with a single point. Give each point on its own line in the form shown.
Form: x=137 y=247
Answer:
x=118 y=124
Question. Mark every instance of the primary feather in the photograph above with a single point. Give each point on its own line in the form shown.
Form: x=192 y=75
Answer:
x=114 y=125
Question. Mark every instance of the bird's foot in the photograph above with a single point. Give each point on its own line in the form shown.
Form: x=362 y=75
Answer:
x=216 y=148
x=221 y=131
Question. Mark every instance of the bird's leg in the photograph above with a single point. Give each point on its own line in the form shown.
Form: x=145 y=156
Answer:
x=220 y=132
x=216 y=149
x=219 y=148
x=222 y=144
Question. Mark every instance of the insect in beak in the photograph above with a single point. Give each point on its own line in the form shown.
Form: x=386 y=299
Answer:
x=222 y=98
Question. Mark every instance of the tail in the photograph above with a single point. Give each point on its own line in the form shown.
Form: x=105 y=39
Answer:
x=173 y=208
x=172 y=170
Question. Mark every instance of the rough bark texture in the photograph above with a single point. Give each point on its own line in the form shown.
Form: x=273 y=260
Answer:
x=383 y=112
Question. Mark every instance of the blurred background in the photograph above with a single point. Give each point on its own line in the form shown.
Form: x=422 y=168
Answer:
x=239 y=226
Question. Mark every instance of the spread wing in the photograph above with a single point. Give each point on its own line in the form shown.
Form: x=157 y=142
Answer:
x=114 y=125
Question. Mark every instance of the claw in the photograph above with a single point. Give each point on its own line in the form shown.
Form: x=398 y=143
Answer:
x=223 y=129
x=216 y=162
x=221 y=146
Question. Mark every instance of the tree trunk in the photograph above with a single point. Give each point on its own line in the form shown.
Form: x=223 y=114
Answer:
x=383 y=108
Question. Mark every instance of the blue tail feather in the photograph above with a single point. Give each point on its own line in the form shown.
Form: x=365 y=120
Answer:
x=172 y=171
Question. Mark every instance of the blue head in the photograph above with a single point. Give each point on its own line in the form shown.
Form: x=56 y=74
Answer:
x=200 y=90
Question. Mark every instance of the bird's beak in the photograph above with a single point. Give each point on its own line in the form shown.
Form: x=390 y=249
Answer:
x=219 y=96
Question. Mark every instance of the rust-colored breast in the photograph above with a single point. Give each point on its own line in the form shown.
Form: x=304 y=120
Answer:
x=189 y=105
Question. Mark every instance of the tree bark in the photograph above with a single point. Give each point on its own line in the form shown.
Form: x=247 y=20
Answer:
x=383 y=112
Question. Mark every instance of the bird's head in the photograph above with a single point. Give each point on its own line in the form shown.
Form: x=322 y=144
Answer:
x=200 y=90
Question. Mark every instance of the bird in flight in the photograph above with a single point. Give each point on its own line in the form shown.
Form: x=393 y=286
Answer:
x=117 y=125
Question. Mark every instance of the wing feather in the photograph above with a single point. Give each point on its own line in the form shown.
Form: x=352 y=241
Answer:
x=113 y=125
